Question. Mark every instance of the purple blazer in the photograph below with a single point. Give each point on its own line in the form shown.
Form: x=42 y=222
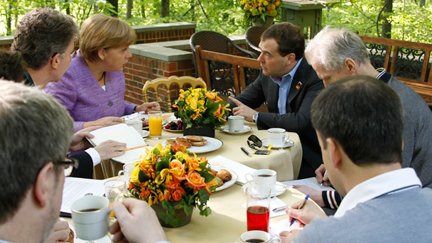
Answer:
x=79 y=91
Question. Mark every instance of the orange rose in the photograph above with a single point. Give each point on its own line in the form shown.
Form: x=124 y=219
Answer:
x=172 y=184
x=178 y=194
x=177 y=169
x=195 y=180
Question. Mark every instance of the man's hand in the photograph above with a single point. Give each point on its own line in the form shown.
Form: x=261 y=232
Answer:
x=305 y=215
x=242 y=109
x=110 y=149
x=136 y=222
x=314 y=194
x=321 y=176
x=59 y=233
x=288 y=236
x=79 y=141
x=146 y=107
x=104 y=121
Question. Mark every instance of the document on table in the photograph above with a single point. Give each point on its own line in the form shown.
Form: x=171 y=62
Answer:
x=310 y=182
x=75 y=188
x=240 y=169
x=124 y=134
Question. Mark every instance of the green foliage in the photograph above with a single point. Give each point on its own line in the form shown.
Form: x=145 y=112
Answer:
x=409 y=20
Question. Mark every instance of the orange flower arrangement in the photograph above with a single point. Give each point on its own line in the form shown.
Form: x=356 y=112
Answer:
x=260 y=9
x=175 y=178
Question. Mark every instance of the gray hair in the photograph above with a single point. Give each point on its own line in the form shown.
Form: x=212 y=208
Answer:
x=331 y=47
x=34 y=130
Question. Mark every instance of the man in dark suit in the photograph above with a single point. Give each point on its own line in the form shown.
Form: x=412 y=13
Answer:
x=288 y=85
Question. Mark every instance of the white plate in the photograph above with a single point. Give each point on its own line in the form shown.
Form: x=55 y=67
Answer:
x=173 y=131
x=212 y=145
x=288 y=144
x=279 y=188
x=145 y=133
x=245 y=129
x=228 y=183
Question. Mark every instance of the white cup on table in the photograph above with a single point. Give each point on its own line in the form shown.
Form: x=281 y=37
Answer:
x=136 y=124
x=276 y=136
x=90 y=217
x=235 y=123
x=262 y=180
x=258 y=236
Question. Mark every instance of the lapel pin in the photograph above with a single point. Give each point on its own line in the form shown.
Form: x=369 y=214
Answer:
x=298 y=86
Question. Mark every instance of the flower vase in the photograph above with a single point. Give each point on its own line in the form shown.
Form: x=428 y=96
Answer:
x=204 y=130
x=177 y=219
x=267 y=23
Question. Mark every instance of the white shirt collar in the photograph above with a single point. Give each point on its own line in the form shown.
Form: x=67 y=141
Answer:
x=389 y=182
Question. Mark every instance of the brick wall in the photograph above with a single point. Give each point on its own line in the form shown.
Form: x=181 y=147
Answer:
x=164 y=35
x=141 y=69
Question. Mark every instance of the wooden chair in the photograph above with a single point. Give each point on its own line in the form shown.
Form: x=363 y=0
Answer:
x=221 y=77
x=166 y=90
x=253 y=37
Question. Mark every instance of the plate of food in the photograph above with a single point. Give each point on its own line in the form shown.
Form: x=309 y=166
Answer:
x=226 y=176
x=175 y=126
x=197 y=144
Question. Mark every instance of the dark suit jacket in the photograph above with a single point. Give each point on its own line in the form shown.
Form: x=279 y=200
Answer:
x=297 y=117
x=85 y=168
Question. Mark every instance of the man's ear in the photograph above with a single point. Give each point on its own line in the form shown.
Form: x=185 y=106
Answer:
x=41 y=187
x=351 y=66
x=335 y=152
x=55 y=61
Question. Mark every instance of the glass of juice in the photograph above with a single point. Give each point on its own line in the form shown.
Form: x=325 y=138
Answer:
x=155 y=124
x=258 y=209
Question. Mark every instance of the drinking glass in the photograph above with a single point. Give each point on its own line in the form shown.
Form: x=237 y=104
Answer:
x=258 y=209
x=155 y=124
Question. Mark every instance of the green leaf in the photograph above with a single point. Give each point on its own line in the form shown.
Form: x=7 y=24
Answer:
x=142 y=177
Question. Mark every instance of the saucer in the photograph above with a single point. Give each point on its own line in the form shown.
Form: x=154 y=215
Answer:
x=288 y=143
x=279 y=188
x=245 y=129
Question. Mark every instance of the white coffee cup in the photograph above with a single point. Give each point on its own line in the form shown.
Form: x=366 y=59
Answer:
x=235 y=123
x=90 y=217
x=125 y=173
x=276 y=136
x=262 y=180
x=258 y=236
x=136 y=124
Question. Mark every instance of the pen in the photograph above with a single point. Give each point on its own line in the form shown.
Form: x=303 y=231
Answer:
x=300 y=207
x=324 y=176
x=245 y=151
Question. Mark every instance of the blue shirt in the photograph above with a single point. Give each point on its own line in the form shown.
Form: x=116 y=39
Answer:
x=284 y=87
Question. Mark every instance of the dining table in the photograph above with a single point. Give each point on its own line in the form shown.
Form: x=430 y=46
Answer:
x=226 y=222
x=285 y=161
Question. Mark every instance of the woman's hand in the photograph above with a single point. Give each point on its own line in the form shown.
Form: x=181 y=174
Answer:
x=104 y=121
x=146 y=107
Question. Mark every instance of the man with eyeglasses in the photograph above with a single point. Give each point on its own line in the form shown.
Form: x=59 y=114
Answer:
x=33 y=169
x=287 y=85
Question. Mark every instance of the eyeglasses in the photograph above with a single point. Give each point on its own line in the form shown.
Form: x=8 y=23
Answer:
x=68 y=165
x=254 y=142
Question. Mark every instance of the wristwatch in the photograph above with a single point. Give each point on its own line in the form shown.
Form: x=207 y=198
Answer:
x=255 y=117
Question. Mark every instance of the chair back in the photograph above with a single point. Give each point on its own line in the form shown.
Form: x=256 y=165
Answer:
x=221 y=76
x=166 y=90
x=253 y=37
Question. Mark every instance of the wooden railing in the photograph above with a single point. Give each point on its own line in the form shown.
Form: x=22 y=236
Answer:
x=410 y=62
x=237 y=69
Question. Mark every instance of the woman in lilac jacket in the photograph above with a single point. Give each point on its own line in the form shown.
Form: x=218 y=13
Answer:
x=93 y=87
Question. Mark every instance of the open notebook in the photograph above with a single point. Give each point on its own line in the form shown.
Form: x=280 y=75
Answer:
x=121 y=133
x=75 y=188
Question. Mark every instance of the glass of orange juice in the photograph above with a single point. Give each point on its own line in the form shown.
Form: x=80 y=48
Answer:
x=155 y=124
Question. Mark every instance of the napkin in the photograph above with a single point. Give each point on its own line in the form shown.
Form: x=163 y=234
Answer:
x=240 y=169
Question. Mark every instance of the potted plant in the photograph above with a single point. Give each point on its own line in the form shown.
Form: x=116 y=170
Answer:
x=173 y=182
x=261 y=12
x=201 y=111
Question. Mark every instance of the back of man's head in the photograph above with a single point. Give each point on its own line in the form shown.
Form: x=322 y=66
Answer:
x=35 y=130
x=289 y=38
x=41 y=34
x=364 y=115
x=11 y=66
x=331 y=47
